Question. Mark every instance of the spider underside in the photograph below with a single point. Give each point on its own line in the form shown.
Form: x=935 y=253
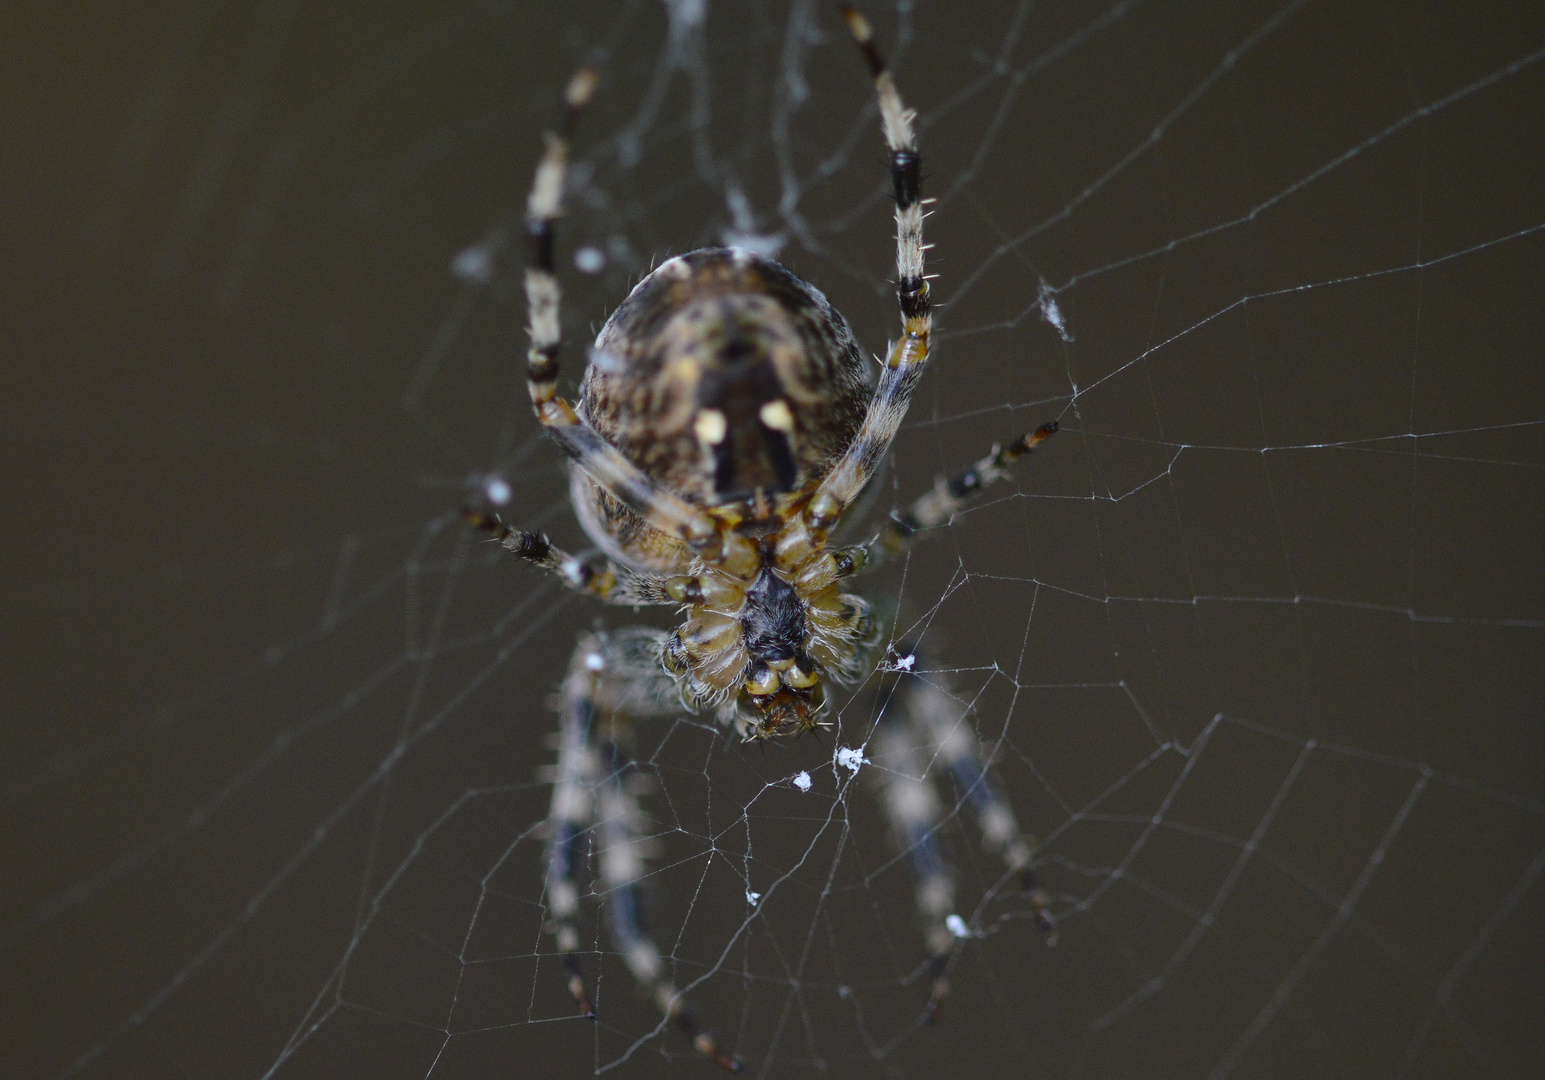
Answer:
x=726 y=422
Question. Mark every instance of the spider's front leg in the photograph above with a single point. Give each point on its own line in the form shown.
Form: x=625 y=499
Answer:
x=614 y=678
x=922 y=728
x=909 y=353
x=601 y=461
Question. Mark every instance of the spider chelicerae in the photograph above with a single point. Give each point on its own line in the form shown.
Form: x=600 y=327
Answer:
x=726 y=423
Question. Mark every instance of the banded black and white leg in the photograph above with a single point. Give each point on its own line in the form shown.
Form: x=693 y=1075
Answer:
x=614 y=679
x=907 y=357
x=599 y=577
x=929 y=764
x=950 y=495
x=601 y=461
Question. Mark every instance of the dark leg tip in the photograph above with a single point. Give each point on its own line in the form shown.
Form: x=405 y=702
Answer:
x=489 y=523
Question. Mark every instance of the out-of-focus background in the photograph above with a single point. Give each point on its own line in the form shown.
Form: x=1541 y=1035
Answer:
x=1257 y=642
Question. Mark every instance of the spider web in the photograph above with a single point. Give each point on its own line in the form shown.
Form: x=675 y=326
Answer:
x=1254 y=644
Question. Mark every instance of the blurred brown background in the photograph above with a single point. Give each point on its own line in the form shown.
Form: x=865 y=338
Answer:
x=1258 y=640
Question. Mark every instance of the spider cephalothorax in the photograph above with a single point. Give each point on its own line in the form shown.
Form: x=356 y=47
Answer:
x=764 y=639
x=726 y=423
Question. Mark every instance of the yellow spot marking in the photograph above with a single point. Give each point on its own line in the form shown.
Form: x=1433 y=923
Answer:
x=776 y=415
x=684 y=370
x=710 y=427
x=580 y=87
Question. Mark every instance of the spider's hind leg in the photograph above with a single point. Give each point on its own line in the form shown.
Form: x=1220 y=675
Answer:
x=926 y=738
x=614 y=678
x=913 y=808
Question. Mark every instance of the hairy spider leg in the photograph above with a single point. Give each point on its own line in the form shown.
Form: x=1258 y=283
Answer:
x=908 y=355
x=614 y=678
x=601 y=461
x=924 y=726
x=600 y=578
x=949 y=730
x=912 y=805
x=569 y=820
x=950 y=495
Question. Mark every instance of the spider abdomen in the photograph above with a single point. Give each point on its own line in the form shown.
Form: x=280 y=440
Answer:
x=725 y=378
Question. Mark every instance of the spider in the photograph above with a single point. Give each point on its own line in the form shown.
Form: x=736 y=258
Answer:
x=726 y=423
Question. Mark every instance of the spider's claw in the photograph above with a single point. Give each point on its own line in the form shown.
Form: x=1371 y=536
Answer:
x=577 y=988
x=939 y=991
x=704 y=1043
x=1040 y=903
x=479 y=520
x=727 y=1063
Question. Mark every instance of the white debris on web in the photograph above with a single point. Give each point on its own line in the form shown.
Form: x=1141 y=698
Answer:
x=956 y=926
x=768 y=244
x=851 y=758
x=474 y=264
x=752 y=897
x=905 y=663
x=605 y=362
x=496 y=489
x=1047 y=302
x=590 y=260
x=742 y=232
x=802 y=780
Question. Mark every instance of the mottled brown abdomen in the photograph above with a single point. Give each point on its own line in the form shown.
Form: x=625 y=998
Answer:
x=725 y=378
x=723 y=373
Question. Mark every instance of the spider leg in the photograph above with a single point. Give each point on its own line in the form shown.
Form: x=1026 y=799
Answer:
x=604 y=580
x=953 y=494
x=909 y=353
x=948 y=729
x=614 y=678
x=915 y=812
x=926 y=728
x=601 y=461
x=569 y=818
